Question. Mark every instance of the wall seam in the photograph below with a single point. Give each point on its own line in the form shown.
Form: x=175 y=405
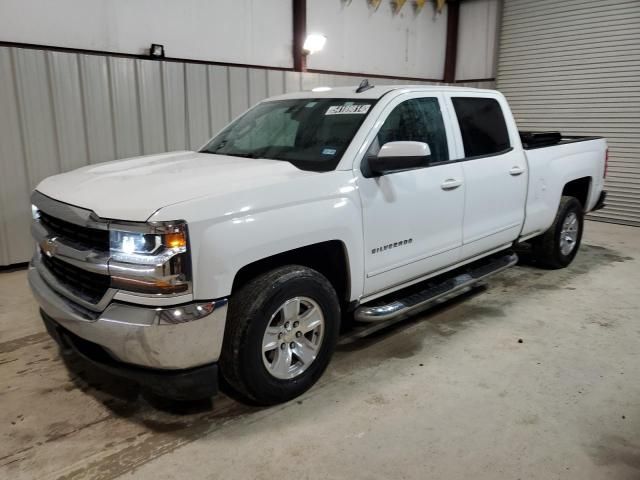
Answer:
x=136 y=76
x=209 y=110
x=230 y=113
x=249 y=89
x=112 y=109
x=266 y=83
x=165 y=129
x=83 y=108
x=56 y=130
x=187 y=129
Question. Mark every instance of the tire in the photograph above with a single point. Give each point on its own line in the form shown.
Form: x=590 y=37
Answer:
x=255 y=370
x=548 y=250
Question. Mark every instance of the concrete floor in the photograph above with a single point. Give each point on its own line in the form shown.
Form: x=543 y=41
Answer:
x=452 y=394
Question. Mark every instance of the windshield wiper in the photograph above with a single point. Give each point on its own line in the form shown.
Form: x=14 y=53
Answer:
x=242 y=155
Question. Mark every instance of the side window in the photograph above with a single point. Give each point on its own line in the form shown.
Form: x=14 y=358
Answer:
x=482 y=125
x=417 y=120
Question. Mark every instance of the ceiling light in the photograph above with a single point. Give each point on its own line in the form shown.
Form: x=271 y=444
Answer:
x=314 y=43
x=321 y=89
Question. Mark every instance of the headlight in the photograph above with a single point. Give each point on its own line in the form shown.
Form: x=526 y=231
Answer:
x=35 y=213
x=150 y=259
x=129 y=243
x=148 y=248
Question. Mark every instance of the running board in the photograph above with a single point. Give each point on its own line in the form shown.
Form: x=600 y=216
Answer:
x=421 y=298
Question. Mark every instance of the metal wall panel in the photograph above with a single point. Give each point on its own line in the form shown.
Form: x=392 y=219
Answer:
x=257 y=85
x=61 y=110
x=574 y=66
x=96 y=96
x=219 y=106
x=197 y=93
x=477 y=39
x=15 y=214
x=275 y=82
x=238 y=90
x=124 y=98
x=175 y=112
x=293 y=82
x=36 y=115
x=68 y=110
x=151 y=106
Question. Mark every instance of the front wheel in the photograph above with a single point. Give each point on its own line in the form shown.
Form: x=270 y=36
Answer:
x=558 y=246
x=282 y=328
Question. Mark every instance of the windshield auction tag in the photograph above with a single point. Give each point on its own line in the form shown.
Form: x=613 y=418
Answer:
x=347 y=109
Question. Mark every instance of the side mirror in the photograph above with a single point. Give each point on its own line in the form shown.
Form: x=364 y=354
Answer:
x=394 y=156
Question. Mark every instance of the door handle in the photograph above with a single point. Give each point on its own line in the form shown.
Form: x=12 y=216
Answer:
x=450 y=184
x=516 y=170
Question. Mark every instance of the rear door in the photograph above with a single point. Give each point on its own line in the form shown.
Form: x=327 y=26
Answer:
x=412 y=219
x=495 y=171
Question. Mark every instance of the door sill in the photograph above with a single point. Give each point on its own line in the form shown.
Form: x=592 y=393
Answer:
x=427 y=276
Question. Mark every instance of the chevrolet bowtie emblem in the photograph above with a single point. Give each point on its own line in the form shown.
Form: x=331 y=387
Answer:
x=49 y=246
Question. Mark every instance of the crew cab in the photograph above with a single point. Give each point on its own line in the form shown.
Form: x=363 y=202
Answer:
x=360 y=205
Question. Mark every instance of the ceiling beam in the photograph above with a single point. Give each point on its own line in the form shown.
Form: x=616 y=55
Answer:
x=451 y=48
x=299 y=34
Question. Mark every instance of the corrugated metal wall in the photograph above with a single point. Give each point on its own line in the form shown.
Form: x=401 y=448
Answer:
x=60 y=111
x=574 y=66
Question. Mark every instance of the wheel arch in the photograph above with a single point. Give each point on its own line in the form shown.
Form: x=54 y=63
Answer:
x=330 y=258
x=579 y=189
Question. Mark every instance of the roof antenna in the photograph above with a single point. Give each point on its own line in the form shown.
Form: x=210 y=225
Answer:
x=364 y=86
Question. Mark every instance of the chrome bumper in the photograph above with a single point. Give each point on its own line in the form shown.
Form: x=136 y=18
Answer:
x=170 y=338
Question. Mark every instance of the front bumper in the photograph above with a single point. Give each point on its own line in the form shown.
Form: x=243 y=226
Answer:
x=164 y=338
x=189 y=384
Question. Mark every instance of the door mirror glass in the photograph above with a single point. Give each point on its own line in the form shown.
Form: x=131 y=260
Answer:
x=401 y=155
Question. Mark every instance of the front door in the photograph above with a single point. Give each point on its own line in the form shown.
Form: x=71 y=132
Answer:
x=413 y=218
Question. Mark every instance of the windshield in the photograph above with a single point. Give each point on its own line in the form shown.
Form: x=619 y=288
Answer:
x=312 y=134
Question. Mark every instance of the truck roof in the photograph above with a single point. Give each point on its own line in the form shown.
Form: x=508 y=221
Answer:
x=374 y=92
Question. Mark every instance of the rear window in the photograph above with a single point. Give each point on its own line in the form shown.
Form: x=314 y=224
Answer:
x=482 y=125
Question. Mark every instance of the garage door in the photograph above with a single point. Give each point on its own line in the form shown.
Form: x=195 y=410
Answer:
x=574 y=66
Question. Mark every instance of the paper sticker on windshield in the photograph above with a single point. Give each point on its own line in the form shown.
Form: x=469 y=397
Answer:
x=347 y=109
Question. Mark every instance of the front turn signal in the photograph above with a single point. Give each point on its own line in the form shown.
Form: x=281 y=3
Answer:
x=175 y=240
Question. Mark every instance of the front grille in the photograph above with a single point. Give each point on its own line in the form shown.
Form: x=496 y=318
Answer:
x=87 y=285
x=87 y=237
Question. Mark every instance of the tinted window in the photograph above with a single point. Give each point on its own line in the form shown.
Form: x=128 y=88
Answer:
x=482 y=126
x=416 y=120
x=312 y=134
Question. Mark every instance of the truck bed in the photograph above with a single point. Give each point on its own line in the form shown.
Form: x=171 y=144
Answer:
x=553 y=162
x=531 y=140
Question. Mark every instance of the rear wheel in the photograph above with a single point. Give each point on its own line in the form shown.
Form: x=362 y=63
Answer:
x=558 y=246
x=282 y=329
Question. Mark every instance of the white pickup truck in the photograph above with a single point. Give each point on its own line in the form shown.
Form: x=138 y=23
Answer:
x=240 y=261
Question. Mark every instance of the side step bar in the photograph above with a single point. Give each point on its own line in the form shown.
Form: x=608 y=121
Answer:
x=457 y=282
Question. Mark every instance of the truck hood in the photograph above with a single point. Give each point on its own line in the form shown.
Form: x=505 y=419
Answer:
x=133 y=189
